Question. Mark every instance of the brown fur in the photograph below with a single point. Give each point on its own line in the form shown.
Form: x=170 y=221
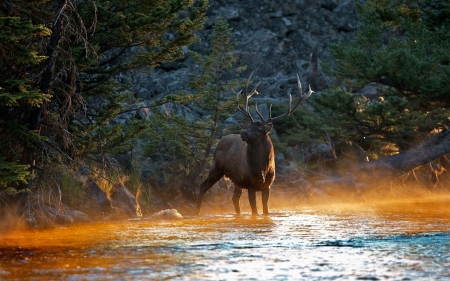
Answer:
x=249 y=164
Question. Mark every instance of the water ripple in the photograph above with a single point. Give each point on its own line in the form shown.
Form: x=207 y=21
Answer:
x=407 y=242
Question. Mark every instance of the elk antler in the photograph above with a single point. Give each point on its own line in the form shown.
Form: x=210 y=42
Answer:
x=301 y=98
x=245 y=110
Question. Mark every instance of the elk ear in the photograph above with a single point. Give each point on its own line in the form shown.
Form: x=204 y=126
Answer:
x=243 y=125
x=268 y=127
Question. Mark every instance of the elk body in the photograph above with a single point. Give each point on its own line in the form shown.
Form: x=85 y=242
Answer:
x=248 y=159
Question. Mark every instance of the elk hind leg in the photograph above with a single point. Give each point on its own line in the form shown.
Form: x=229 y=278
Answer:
x=236 y=196
x=214 y=176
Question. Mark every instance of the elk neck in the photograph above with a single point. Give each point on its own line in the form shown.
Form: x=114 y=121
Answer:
x=259 y=155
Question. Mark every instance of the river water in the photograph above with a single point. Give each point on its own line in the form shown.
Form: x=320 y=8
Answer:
x=390 y=241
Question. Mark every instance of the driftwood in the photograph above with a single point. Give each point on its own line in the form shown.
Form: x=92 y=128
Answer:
x=375 y=173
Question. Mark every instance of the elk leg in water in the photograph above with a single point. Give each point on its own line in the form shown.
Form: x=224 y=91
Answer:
x=265 y=199
x=214 y=176
x=252 y=200
x=236 y=196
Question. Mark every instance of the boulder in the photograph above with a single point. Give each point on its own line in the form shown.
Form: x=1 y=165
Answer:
x=97 y=203
x=312 y=152
x=169 y=214
x=286 y=172
x=124 y=203
x=57 y=216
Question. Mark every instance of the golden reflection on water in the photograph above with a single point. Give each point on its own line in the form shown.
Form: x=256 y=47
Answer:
x=316 y=241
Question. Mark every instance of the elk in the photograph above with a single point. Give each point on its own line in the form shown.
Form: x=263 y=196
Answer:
x=248 y=159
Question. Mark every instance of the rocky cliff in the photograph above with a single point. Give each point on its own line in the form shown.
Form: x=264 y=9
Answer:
x=277 y=40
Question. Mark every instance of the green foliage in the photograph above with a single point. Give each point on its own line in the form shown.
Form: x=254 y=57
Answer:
x=334 y=117
x=211 y=86
x=71 y=189
x=60 y=98
x=12 y=174
x=293 y=129
x=336 y=111
x=18 y=57
x=127 y=38
x=154 y=30
x=187 y=145
x=435 y=14
x=404 y=49
x=175 y=142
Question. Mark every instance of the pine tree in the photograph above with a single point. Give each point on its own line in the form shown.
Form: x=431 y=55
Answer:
x=403 y=47
x=128 y=37
x=18 y=57
x=58 y=90
x=213 y=88
x=188 y=145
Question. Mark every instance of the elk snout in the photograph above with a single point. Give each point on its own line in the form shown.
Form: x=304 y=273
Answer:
x=244 y=136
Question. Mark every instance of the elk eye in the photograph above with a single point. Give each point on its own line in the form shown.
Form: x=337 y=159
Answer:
x=260 y=130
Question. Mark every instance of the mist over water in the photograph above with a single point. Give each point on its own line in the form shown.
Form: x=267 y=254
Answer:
x=390 y=241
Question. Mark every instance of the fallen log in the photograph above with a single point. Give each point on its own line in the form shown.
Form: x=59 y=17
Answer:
x=384 y=170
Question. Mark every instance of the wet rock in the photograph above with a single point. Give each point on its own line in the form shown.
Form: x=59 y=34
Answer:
x=97 y=203
x=57 y=216
x=293 y=188
x=78 y=216
x=63 y=215
x=169 y=214
x=124 y=203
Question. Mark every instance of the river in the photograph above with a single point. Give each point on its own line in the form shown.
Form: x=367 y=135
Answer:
x=389 y=241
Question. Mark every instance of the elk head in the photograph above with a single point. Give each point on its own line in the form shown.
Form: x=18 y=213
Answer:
x=255 y=129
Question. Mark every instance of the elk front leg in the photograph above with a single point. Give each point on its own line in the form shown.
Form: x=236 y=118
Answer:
x=236 y=196
x=252 y=200
x=265 y=199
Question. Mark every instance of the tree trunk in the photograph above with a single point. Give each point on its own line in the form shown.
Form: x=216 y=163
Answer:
x=35 y=114
x=35 y=118
x=381 y=171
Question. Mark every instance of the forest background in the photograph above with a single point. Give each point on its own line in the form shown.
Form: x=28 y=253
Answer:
x=79 y=141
